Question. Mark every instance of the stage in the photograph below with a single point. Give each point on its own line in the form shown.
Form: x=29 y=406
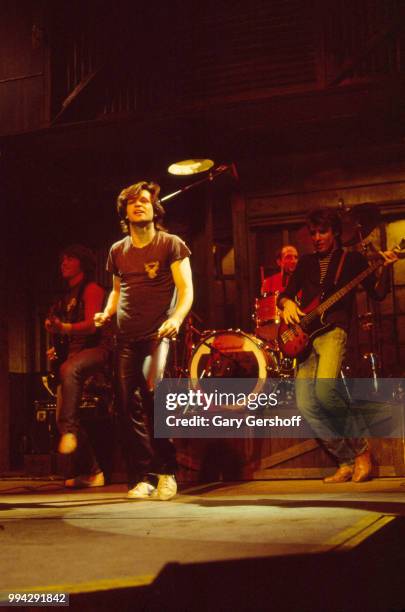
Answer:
x=279 y=544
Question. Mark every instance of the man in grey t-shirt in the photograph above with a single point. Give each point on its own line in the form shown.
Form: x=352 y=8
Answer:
x=151 y=295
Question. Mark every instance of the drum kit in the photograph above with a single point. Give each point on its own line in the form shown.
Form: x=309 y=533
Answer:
x=233 y=353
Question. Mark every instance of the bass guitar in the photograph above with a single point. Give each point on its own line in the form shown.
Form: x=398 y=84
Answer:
x=295 y=339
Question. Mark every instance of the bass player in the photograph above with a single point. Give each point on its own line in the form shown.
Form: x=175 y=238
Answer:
x=317 y=393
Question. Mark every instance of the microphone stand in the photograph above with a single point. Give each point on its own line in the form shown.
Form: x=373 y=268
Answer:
x=211 y=176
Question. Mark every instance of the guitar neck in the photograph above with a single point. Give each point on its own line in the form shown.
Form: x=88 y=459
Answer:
x=340 y=294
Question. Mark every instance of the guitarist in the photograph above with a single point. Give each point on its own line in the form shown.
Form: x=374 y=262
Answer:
x=319 y=400
x=79 y=351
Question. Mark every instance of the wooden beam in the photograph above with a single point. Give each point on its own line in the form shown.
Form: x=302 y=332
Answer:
x=242 y=262
x=73 y=96
x=288 y=453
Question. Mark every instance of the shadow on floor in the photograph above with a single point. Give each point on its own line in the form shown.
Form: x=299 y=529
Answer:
x=369 y=578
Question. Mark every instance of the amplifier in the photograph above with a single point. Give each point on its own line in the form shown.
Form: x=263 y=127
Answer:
x=97 y=422
x=93 y=407
x=44 y=433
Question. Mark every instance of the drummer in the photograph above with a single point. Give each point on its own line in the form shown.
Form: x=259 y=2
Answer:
x=287 y=259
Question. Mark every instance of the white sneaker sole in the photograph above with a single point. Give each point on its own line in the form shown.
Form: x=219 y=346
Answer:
x=138 y=495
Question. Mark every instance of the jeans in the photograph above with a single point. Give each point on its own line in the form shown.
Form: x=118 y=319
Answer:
x=322 y=401
x=141 y=366
x=73 y=374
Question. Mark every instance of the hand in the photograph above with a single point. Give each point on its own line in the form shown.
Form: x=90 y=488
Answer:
x=291 y=313
x=389 y=257
x=101 y=318
x=169 y=329
x=51 y=353
x=54 y=325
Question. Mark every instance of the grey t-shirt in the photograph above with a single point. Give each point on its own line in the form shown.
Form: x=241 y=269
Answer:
x=148 y=293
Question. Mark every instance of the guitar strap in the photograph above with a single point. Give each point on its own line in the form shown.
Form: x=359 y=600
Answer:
x=339 y=268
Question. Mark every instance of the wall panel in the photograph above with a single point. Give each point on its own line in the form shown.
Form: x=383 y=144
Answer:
x=23 y=67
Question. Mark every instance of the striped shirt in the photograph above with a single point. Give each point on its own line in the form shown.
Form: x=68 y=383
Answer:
x=323 y=265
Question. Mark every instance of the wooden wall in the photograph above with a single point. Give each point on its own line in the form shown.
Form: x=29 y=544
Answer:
x=24 y=67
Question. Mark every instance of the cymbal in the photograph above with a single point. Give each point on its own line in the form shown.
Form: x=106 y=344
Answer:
x=358 y=222
x=190 y=166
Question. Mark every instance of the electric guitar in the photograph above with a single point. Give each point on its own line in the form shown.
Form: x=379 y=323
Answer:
x=295 y=339
x=60 y=344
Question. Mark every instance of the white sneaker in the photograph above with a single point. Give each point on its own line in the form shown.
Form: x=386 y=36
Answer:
x=85 y=480
x=166 y=489
x=142 y=490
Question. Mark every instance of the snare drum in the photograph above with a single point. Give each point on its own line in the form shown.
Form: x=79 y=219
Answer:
x=267 y=317
x=232 y=354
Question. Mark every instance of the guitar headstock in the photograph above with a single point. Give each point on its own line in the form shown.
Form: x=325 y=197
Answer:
x=376 y=256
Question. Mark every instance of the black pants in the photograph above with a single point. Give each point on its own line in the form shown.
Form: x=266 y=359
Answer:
x=140 y=367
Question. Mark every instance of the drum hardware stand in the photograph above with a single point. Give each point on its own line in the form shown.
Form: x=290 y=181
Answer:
x=356 y=225
x=344 y=380
x=373 y=359
x=190 y=330
x=368 y=323
x=215 y=351
x=180 y=370
x=357 y=222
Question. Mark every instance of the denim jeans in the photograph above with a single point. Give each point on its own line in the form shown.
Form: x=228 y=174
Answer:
x=140 y=368
x=324 y=404
x=73 y=374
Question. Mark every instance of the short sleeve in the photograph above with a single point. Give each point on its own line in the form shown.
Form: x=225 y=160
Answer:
x=93 y=296
x=178 y=249
x=111 y=265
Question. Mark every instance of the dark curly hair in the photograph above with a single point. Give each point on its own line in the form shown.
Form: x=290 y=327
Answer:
x=132 y=192
x=325 y=217
x=84 y=255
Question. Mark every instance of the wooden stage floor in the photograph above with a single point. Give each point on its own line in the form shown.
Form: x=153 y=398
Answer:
x=293 y=544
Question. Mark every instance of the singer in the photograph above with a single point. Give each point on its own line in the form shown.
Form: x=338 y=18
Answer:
x=152 y=293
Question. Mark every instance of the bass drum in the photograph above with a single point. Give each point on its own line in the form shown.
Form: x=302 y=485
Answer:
x=232 y=354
